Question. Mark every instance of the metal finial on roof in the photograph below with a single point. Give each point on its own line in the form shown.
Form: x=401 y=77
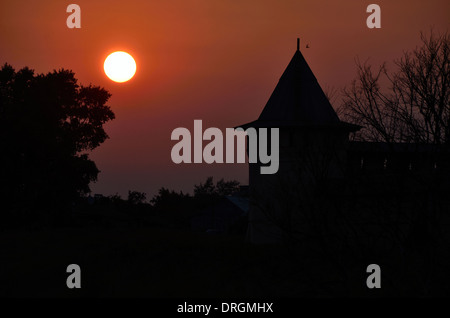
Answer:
x=298 y=44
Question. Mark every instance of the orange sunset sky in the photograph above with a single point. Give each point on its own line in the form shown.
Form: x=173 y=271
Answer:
x=215 y=60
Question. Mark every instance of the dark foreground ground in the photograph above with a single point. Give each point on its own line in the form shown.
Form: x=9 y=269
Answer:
x=152 y=262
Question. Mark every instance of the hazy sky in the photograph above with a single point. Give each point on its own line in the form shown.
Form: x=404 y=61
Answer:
x=215 y=60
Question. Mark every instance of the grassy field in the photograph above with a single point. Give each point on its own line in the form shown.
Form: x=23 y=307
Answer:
x=133 y=262
x=152 y=262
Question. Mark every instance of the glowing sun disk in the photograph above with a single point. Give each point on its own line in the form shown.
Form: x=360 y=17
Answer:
x=119 y=66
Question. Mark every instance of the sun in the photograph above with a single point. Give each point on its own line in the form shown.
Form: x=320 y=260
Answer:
x=119 y=66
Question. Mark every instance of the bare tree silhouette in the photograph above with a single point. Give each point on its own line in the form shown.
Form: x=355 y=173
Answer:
x=410 y=104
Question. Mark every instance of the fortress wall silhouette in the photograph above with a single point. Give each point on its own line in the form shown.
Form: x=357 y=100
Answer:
x=315 y=154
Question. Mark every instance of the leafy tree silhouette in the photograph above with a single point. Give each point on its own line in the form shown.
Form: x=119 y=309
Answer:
x=169 y=200
x=221 y=188
x=136 y=197
x=48 y=123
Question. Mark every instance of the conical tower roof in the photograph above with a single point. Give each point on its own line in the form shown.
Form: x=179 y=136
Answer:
x=298 y=100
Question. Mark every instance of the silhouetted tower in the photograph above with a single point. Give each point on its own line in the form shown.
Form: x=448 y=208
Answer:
x=313 y=143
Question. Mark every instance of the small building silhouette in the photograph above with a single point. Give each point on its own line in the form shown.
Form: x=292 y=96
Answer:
x=225 y=215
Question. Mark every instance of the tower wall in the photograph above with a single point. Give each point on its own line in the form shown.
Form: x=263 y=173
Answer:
x=277 y=201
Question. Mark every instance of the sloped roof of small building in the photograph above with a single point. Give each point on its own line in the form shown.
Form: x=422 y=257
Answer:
x=242 y=203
